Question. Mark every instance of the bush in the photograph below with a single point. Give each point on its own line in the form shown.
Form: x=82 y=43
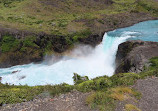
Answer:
x=9 y=43
x=124 y=79
x=100 y=100
x=101 y=83
x=79 y=79
x=154 y=62
x=86 y=86
x=8 y=2
x=15 y=94
x=58 y=89
x=105 y=100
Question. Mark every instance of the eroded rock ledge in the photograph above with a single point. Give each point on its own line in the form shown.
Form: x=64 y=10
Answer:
x=133 y=56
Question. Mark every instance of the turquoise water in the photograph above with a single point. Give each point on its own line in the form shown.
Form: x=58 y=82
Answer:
x=98 y=62
x=146 y=31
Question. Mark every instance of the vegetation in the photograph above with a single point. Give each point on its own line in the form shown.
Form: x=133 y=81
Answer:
x=66 y=17
x=130 y=107
x=106 y=91
x=79 y=79
x=68 y=21
x=17 y=49
x=16 y=94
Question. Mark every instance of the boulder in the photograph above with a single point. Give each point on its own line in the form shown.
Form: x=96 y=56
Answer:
x=133 y=56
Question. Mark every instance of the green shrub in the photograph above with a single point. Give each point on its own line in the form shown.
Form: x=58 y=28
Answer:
x=101 y=100
x=79 y=79
x=30 y=42
x=152 y=70
x=150 y=6
x=154 y=62
x=58 y=89
x=62 y=22
x=101 y=83
x=86 y=86
x=9 y=43
x=124 y=79
x=15 y=94
x=8 y=2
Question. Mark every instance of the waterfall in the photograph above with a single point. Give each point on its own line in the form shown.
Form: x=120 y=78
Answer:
x=100 y=61
x=84 y=60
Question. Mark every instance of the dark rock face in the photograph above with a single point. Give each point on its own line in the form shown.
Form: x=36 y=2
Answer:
x=132 y=56
x=92 y=40
x=58 y=43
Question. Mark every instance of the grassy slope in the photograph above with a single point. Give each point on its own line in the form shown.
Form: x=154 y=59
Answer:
x=106 y=91
x=65 y=17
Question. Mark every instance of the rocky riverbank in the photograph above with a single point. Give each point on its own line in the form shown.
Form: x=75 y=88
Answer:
x=73 y=101
x=76 y=101
x=133 y=56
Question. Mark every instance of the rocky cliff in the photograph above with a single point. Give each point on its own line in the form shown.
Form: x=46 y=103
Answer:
x=133 y=56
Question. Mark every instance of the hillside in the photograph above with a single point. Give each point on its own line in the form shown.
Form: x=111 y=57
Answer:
x=30 y=29
x=69 y=16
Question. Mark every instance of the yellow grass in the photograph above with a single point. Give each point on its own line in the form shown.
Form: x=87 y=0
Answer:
x=121 y=93
x=130 y=107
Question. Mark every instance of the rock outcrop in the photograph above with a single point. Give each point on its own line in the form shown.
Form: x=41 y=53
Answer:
x=133 y=56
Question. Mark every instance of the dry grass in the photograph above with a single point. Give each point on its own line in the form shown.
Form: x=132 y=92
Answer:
x=130 y=107
x=121 y=93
